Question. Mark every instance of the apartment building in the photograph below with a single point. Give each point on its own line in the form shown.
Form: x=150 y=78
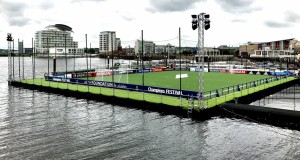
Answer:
x=270 y=49
x=148 y=47
x=108 y=41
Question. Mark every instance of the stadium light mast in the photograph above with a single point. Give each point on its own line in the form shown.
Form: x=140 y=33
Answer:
x=9 y=53
x=201 y=22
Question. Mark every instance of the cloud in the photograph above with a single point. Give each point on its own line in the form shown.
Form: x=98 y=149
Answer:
x=14 y=13
x=171 y=5
x=238 y=6
x=11 y=9
x=238 y=20
x=18 y=21
x=87 y=0
x=128 y=18
x=46 y=5
x=274 y=24
x=292 y=17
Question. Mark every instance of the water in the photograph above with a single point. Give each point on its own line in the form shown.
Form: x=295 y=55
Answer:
x=38 y=125
x=288 y=99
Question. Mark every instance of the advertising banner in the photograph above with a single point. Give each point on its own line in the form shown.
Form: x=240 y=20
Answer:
x=214 y=70
x=146 y=70
x=197 y=69
x=157 y=69
x=83 y=74
x=223 y=70
x=238 y=71
x=139 y=88
x=104 y=73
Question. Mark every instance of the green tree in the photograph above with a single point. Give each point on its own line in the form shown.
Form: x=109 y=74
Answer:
x=92 y=50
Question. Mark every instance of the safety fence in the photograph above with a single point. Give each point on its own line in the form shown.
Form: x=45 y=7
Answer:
x=163 y=95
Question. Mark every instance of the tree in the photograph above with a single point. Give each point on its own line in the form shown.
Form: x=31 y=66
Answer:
x=186 y=52
x=86 y=50
x=92 y=50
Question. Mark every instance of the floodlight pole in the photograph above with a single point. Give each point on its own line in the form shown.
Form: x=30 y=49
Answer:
x=264 y=52
x=201 y=22
x=201 y=60
x=143 y=76
x=9 y=62
x=9 y=52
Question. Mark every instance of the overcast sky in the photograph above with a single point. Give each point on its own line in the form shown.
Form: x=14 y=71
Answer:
x=233 y=22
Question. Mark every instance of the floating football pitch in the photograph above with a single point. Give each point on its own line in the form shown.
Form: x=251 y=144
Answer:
x=167 y=79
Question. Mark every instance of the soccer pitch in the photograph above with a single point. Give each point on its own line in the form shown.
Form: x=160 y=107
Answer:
x=167 y=79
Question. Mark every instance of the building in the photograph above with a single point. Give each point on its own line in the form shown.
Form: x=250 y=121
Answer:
x=160 y=49
x=54 y=39
x=20 y=47
x=118 y=42
x=170 y=49
x=272 y=49
x=165 y=49
x=148 y=47
x=28 y=50
x=108 y=41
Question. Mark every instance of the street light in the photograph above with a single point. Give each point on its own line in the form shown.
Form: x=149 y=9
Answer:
x=107 y=62
x=264 y=50
x=166 y=58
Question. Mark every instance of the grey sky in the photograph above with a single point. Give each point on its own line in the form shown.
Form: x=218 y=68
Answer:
x=233 y=22
x=171 y=5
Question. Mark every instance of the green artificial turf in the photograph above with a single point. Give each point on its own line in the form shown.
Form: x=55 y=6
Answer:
x=212 y=80
x=155 y=98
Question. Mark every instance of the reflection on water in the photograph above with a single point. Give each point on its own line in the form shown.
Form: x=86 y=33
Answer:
x=38 y=125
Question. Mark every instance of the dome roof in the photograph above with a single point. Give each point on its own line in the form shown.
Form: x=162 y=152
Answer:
x=61 y=27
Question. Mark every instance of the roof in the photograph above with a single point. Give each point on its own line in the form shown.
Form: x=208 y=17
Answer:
x=252 y=43
x=61 y=27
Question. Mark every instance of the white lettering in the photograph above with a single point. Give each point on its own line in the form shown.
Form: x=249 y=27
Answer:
x=156 y=90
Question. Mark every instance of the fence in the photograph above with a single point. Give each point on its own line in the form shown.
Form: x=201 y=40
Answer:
x=163 y=95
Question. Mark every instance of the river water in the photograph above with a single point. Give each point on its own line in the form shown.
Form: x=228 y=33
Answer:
x=38 y=125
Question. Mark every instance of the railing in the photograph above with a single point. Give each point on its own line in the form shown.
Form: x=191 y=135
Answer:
x=173 y=97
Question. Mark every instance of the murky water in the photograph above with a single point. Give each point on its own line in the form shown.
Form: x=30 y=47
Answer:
x=38 y=125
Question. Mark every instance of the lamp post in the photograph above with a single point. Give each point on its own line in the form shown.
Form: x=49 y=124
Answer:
x=54 y=58
x=74 y=55
x=201 y=22
x=246 y=56
x=137 y=61
x=264 y=50
x=294 y=61
x=107 y=62
x=87 y=64
x=48 y=58
x=208 y=60
x=241 y=59
x=66 y=58
x=294 y=49
x=166 y=58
